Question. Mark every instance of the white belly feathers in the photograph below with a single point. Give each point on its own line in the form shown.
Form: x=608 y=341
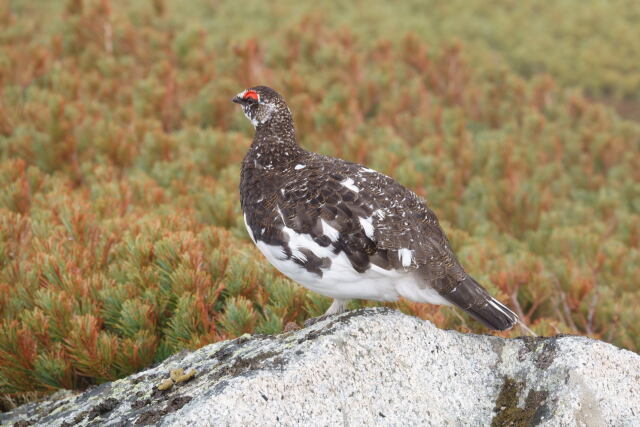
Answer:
x=341 y=280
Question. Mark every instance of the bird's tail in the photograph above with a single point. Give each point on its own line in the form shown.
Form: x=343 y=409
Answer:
x=470 y=296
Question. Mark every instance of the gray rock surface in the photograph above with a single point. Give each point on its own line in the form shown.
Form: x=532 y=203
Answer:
x=369 y=367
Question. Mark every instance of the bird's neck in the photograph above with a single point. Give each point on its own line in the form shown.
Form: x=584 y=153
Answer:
x=278 y=129
x=274 y=145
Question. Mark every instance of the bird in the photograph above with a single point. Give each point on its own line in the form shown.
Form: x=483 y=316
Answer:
x=344 y=230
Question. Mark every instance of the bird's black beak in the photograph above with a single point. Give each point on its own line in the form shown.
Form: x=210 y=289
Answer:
x=237 y=100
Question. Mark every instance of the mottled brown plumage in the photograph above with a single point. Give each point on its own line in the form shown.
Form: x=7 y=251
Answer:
x=323 y=221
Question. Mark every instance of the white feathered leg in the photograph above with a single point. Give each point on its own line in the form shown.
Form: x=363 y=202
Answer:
x=337 y=306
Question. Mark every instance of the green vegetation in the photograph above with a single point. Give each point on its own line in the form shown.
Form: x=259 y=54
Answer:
x=121 y=239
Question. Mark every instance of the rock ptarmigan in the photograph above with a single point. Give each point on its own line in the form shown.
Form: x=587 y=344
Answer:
x=343 y=230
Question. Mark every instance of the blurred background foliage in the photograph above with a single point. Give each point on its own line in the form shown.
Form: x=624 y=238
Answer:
x=121 y=239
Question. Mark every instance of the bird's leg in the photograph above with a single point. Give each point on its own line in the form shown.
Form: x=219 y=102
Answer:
x=337 y=306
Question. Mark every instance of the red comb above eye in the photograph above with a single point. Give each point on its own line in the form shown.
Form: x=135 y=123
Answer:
x=251 y=94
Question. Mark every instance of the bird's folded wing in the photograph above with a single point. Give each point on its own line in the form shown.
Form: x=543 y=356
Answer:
x=373 y=221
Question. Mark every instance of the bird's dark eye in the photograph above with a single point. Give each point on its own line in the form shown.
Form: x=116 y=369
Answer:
x=251 y=95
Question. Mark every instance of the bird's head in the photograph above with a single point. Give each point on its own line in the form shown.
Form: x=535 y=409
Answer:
x=262 y=105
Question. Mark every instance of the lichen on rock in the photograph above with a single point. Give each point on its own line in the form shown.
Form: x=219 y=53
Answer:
x=367 y=367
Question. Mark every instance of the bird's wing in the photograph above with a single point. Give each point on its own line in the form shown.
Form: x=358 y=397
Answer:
x=368 y=216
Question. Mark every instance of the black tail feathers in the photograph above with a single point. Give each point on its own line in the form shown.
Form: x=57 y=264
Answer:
x=470 y=296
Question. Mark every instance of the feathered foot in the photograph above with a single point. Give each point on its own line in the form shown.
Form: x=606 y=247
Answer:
x=338 y=306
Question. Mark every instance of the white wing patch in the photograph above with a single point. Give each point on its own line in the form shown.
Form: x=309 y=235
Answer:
x=298 y=167
x=367 y=226
x=349 y=183
x=297 y=241
x=281 y=215
x=329 y=231
x=406 y=256
x=379 y=213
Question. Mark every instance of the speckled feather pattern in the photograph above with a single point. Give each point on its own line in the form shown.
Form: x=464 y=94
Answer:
x=342 y=229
